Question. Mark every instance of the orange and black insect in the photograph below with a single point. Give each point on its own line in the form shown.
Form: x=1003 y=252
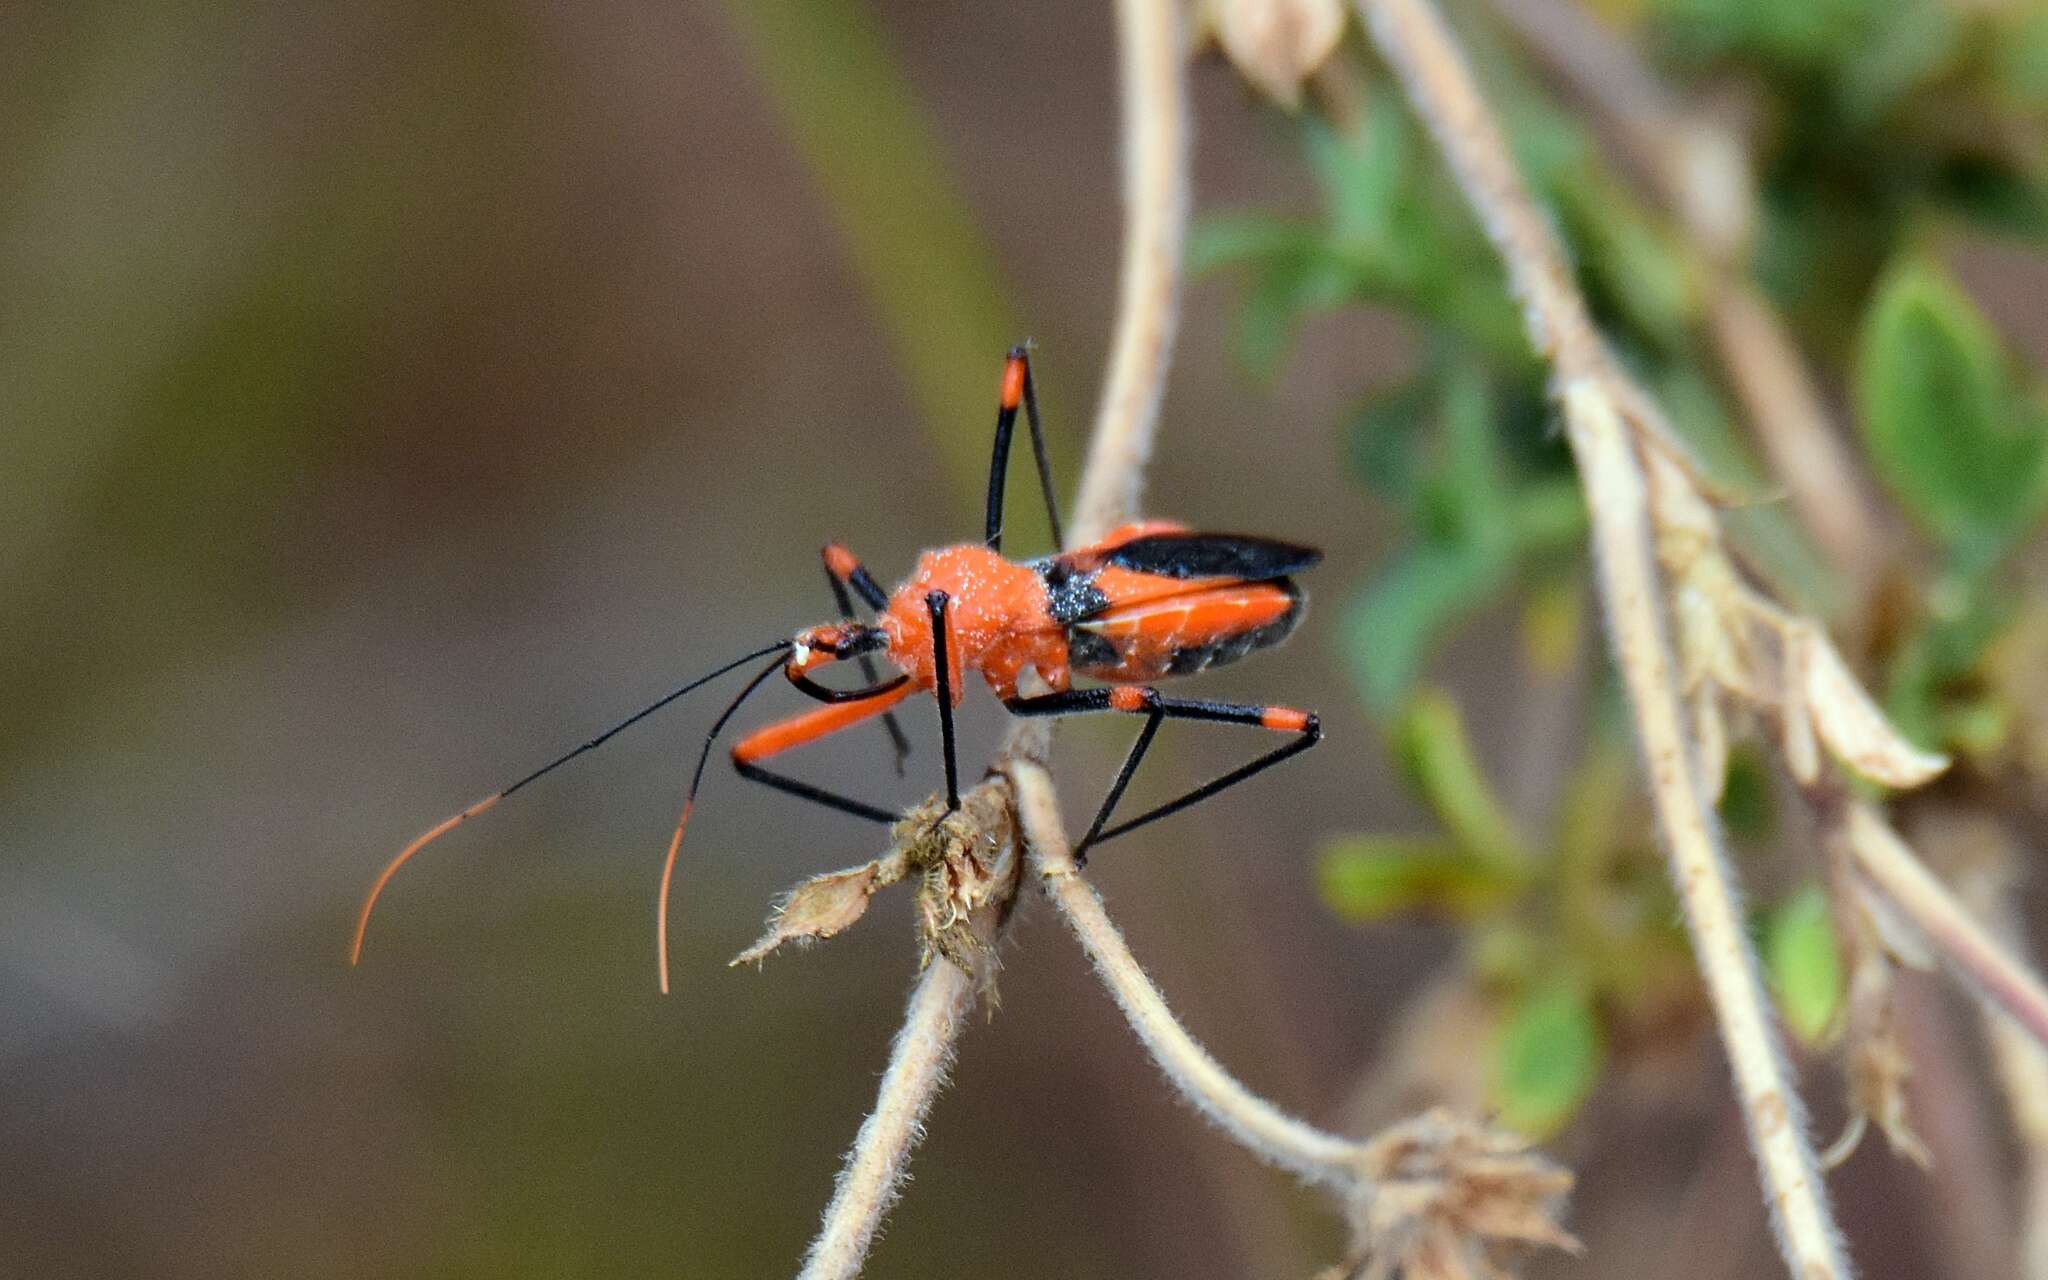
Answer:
x=1150 y=600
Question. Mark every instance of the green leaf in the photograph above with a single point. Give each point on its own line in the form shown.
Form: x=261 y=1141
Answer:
x=1465 y=499
x=1370 y=877
x=1433 y=750
x=1804 y=968
x=1548 y=517
x=1999 y=198
x=1548 y=1057
x=2020 y=58
x=1286 y=289
x=1746 y=808
x=1631 y=264
x=1913 y=44
x=1965 y=454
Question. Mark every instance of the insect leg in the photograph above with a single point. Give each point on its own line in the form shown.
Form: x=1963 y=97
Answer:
x=810 y=726
x=1148 y=702
x=1018 y=389
x=942 y=670
x=793 y=732
x=842 y=569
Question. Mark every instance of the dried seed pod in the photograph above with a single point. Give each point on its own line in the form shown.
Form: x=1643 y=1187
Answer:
x=1447 y=1197
x=824 y=905
x=1275 y=44
x=1855 y=731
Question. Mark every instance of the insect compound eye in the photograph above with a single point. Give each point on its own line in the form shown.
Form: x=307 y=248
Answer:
x=852 y=641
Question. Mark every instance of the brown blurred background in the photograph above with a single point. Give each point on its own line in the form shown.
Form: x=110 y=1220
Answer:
x=392 y=394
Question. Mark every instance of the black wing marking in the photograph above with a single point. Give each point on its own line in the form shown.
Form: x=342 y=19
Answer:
x=1070 y=594
x=1212 y=555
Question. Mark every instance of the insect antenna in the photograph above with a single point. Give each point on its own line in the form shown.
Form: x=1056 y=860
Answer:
x=441 y=828
x=668 y=864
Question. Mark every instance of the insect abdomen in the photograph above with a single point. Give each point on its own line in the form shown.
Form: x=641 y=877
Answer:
x=1181 y=634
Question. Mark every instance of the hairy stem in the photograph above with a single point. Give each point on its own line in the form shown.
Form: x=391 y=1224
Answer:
x=1155 y=158
x=1699 y=172
x=1970 y=950
x=1151 y=57
x=1317 y=1157
x=1592 y=395
x=874 y=1168
x=2021 y=1065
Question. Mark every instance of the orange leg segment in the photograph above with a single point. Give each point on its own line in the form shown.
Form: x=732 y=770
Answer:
x=814 y=724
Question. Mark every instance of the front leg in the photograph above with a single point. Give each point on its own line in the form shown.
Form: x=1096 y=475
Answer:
x=937 y=602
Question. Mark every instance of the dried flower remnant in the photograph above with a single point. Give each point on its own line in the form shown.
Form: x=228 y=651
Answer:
x=824 y=905
x=1741 y=654
x=1876 y=1062
x=970 y=868
x=1276 y=44
x=967 y=882
x=1447 y=1197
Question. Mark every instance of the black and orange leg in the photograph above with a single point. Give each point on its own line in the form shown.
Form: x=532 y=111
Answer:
x=1018 y=391
x=842 y=570
x=762 y=743
x=1156 y=708
x=820 y=722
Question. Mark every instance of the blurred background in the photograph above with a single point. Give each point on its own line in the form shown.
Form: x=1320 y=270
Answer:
x=391 y=395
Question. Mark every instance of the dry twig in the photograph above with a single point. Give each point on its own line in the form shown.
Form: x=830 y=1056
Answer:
x=1955 y=937
x=1151 y=53
x=1779 y=396
x=1698 y=169
x=969 y=867
x=1155 y=149
x=1316 y=1157
x=874 y=1168
x=1609 y=442
x=1435 y=1197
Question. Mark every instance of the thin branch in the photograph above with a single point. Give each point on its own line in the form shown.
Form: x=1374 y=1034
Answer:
x=1151 y=56
x=1699 y=171
x=1317 y=1157
x=2021 y=1065
x=1778 y=392
x=1706 y=885
x=1155 y=159
x=1696 y=166
x=1971 y=952
x=971 y=870
x=1806 y=453
x=868 y=1184
x=1591 y=393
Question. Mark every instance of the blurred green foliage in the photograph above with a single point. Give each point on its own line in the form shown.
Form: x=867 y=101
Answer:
x=1962 y=443
x=1803 y=965
x=925 y=264
x=1565 y=934
x=1885 y=134
x=1548 y=1056
x=1963 y=449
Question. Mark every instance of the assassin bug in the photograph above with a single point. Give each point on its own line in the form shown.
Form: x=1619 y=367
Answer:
x=1150 y=600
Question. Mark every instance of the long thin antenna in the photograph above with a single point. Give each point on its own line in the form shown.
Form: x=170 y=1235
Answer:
x=439 y=829
x=668 y=864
